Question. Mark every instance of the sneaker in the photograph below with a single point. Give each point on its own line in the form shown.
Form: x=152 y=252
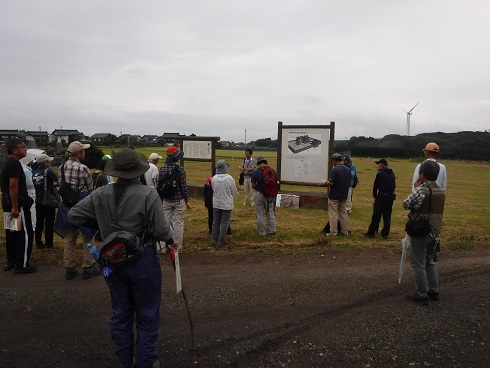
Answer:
x=272 y=234
x=28 y=269
x=418 y=299
x=384 y=236
x=70 y=273
x=8 y=266
x=367 y=234
x=433 y=296
x=331 y=234
x=92 y=271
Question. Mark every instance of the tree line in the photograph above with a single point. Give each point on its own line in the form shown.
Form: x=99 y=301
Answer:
x=455 y=146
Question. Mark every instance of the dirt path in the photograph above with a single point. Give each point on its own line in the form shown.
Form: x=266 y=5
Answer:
x=336 y=308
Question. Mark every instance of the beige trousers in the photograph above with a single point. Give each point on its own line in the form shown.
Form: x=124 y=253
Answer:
x=71 y=252
x=174 y=217
x=337 y=212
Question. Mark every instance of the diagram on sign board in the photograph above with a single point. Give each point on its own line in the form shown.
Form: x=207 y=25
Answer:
x=303 y=169
x=302 y=143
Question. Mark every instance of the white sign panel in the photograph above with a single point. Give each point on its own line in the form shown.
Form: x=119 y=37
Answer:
x=197 y=149
x=304 y=157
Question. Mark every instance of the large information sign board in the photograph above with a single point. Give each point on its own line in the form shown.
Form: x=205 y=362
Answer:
x=304 y=153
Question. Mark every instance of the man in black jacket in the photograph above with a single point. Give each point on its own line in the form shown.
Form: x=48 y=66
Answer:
x=384 y=195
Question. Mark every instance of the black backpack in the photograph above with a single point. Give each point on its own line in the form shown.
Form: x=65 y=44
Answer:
x=167 y=184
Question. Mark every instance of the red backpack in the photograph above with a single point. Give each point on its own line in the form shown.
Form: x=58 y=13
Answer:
x=268 y=186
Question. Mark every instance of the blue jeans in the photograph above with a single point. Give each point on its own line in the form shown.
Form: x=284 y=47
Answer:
x=136 y=289
x=424 y=269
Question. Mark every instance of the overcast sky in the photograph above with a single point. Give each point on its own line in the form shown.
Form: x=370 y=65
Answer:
x=216 y=68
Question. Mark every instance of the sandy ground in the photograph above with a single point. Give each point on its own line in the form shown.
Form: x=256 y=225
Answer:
x=325 y=308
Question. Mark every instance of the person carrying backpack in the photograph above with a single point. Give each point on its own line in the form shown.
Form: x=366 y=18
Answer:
x=136 y=285
x=264 y=181
x=173 y=190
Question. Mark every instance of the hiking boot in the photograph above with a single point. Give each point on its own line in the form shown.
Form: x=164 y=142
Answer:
x=433 y=296
x=92 y=271
x=8 y=266
x=384 y=236
x=70 y=273
x=40 y=246
x=27 y=269
x=418 y=299
x=368 y=235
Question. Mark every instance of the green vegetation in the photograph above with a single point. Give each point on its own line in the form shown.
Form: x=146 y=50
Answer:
x=466 y=217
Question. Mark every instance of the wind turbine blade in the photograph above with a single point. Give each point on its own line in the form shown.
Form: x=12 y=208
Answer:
x=405 y=111
x=414 y=107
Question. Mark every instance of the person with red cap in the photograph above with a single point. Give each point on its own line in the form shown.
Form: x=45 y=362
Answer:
x=175 y=205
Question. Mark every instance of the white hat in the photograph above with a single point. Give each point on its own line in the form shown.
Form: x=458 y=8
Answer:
x=43 y=158
x=154 y=156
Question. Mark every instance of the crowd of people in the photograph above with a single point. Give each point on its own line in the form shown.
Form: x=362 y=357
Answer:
x=154 y=213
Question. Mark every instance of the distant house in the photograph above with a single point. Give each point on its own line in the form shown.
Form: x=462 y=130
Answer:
x=40 y=137
x=169 y=138
x=102 y=137
x=66 y=136
x=5 y=135
x=226 y=143
x=150 y=139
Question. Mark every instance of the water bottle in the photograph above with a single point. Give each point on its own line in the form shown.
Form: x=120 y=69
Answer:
x=94 y=251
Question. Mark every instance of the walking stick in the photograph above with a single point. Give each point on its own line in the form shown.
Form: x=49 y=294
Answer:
x=191 y=324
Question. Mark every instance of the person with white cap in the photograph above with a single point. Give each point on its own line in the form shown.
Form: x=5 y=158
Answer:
x=31 y=190
x=44 y=178
x=78 y=177
x=224 y=190
x=152 y=173
x=136 y=286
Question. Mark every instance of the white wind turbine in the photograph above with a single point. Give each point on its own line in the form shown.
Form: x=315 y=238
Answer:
x=408 y=118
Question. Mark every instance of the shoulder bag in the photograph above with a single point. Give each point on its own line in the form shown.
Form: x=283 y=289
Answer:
x=50 y=199
x=420 y=226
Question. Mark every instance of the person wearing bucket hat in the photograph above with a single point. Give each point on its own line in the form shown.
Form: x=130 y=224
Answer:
x=44 y=179
x=224 y=190
x=431 y=151
x=75 y=177
x=338 y=183
x=135 y=287
x=353 y=180
x=174 y=204
x=152 y=173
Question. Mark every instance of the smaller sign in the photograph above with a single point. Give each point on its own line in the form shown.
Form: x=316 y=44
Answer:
x=197 y=149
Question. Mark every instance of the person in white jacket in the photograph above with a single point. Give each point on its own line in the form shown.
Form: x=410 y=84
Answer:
x=224 y=191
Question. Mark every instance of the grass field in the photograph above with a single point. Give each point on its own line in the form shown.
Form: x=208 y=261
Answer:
x=466 y=216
